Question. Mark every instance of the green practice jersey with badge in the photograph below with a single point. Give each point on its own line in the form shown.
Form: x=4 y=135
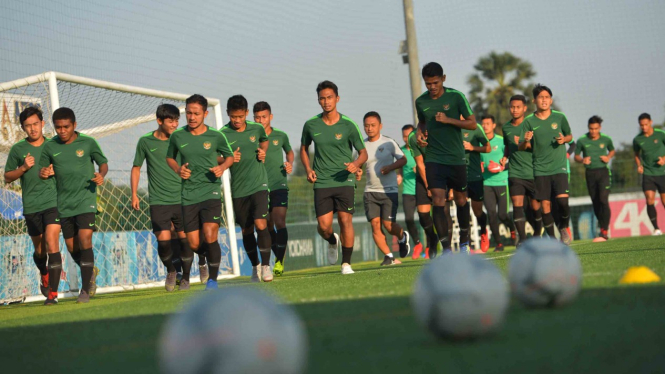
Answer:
x=477 y=138
x=444 y=141
x=73 y=165
x=38 y=194
x=549 y=157
x=496 y=154
x=277 y=146
x=249 y=175
x=520 y=163
x=200 y=152
x=594 y=148
x=650 y=149
x=333 y=147
x=408 y=173
x=163 y=183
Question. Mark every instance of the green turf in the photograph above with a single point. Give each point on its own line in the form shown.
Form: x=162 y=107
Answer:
x=364 y=324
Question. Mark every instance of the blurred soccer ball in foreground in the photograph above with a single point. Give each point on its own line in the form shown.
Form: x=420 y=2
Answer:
x=460 y=296
x=545 y=273
x=233 y=330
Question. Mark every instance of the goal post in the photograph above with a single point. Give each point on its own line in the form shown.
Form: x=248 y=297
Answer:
x=116 y=115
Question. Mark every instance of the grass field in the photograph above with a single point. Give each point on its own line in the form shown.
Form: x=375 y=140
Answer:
x=363 y=324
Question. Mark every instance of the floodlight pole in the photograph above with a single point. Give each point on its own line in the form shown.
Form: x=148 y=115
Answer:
x=412 y=48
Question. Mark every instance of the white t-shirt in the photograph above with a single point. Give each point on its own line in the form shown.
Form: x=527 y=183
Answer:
x=380 y=153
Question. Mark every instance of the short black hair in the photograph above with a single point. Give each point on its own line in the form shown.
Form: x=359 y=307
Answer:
x=488 y=116
x=327 y=84
x=521 y=98
x=408 y=126
x=595 y=119
x=261 y=106
x=432 y=69
x=168 y=111
x=197 y=99
x=29 y=112
x=540 y=88
x=372 y=114
x=236 y=102
x=63 y=113
x=644 y=116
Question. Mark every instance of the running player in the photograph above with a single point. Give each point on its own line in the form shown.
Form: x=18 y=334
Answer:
x=649 y=151
x=595 y=150
x=475 y=142
x=439 y=110
x=546 y=132
x=198 y=147
x=334 y=136
x=495 y=180
x=70 y=158
x=39 y=201
x=249 y=184
x=277 y=170
x=408 y=180
x=384 y=156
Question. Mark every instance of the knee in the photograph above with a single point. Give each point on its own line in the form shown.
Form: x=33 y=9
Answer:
x=376 y=225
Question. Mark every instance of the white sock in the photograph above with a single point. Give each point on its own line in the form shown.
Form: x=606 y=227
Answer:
x=390 y=255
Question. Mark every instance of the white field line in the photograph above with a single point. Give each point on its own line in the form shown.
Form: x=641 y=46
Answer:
x=497 y=257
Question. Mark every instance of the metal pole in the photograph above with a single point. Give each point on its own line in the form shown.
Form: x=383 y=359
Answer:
x=412 y=48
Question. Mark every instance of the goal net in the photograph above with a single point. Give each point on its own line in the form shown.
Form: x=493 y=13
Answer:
x=125 y=248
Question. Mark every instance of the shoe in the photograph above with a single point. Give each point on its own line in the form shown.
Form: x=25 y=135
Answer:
x=169 y=283
x=513 y=237
x=333 y=251
x=518 y=244
x=184 y=285
x=464 y=248
x=570 y=233
x=346 y=269
x=427 y=253
x=565 y=236
x=93 y=281
x=211 y=284
x=43 y=284
x=278 y=270
x=51 y=298
x=266 y=273
x=603 y=234
x=498 y=248
x=484 y=242
x=203 y=273
x=404 y=245
x=657 y=232
x=83 y=298
x=178 y=278
x=417 y=251
x=256 y=278
x=390 y=261
x=432 y=252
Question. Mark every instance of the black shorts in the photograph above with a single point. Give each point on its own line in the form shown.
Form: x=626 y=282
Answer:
x=334 y=199
x=195 y=215
x=279 y=198
x=551 y=185
x=446 y=176
x=249 y=208
x=379 y=204
x=597 y=180
x=163 y=215
x=37 y=222
x=653 y=183
x=476 y=190
x=72 y=225
x=421 y=192
x=521 y=187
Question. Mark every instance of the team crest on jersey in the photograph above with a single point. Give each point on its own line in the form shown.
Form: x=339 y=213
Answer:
x=602 y=145
x=79 y=153
x=466 y=134
x=275 y=142
x=554 y=126
x=517 y=139
x=446 y=106
x=252 y=139
x=207 y=145
x=338 y=136
x=496 y=147
x=655 y=141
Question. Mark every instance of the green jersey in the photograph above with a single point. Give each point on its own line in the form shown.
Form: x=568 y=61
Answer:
x=38 y=194
x=274 y=165
x=650 y=149
x=333 y=147
x=477 y=138
x=594 y=148
x=249 y=175
x=408 y=173
x=74 y=169
x=163 y=183
x=549 y=157
x=444 y=141
x=415 y=149
x=520 y=163
x=200 y=152
x=496 y=154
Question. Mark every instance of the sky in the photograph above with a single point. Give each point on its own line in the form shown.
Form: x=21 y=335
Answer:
x=600 y=58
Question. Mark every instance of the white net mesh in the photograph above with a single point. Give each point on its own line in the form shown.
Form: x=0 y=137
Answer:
x=125 y=248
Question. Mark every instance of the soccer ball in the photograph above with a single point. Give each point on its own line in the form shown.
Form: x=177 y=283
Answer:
x=545 y=273
x=460 y=296
x=233 y=330
x=495 y=167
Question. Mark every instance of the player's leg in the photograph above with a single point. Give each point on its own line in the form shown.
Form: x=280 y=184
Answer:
x=519 y=214
x=242 y=210
x=476 y=192
x=85 y=223
x=185 y=252
x=491 y=201
x=210 y=216
x=343 y=203
x=160 y=215
x=543 y=193
x=424 y=207
x=603 y=189
x=456 y=178
x=409 y=207
x=437 y=179
x=560 y=189
x=35 y=225
x=192 y=228
x=279 y=201
x=324 y=207
x=501 y=193
x=373 y=214
x=389 y=220
x=51 y=236
x=258 y=214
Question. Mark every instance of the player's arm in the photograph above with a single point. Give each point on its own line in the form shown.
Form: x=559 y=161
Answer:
x=400 y=176
x=45 y=164
x=98 y=157
x=12 y=170
x=578 y=151
x=224 y=150
x=357 y=141
x=468 y=123
x=565 y=136
x=400 y=161
x=139 y=157
x=527 y=137
x=638 y=161
x=290 y=155
x=305 y=141
x=261 y=151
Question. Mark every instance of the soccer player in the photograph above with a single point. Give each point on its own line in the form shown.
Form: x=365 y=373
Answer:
x=384 y=156
x=164 y=195
x=595 y=150
x=546 y=132
x=332 y=173
x=277 y=170
x=408 y=181
x=495 y=182
x=70 y=157
x=650 y=159
x=39 y=201
x=249 y=184
x=439 y=110
x=475 y=142
x=198 y=147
